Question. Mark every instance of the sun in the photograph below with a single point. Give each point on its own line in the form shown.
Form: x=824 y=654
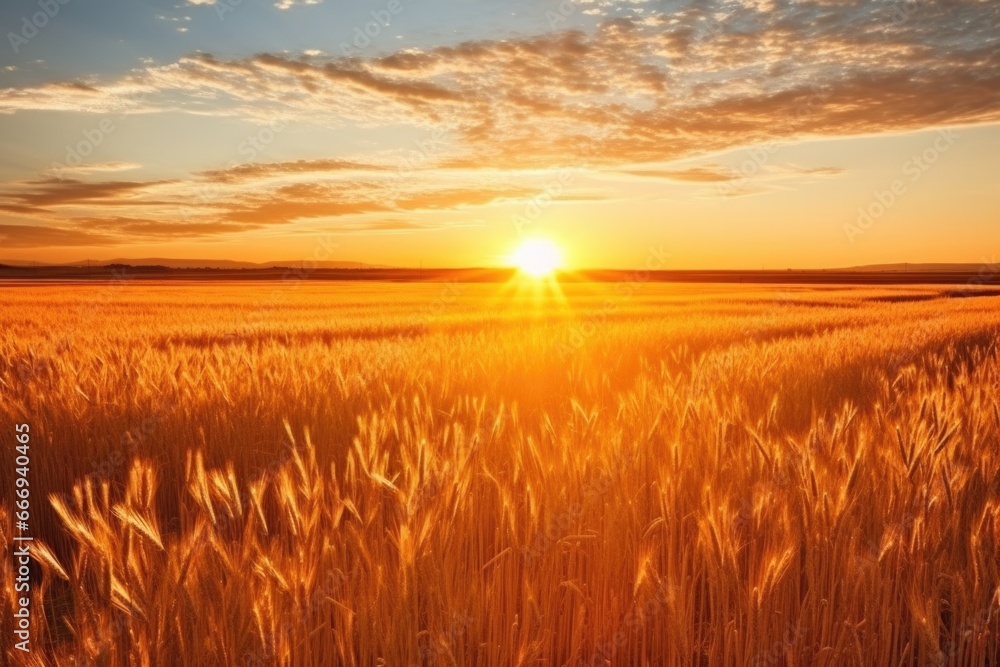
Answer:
x=539 y=258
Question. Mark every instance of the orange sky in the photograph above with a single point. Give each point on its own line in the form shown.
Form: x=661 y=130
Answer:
x=727 y=134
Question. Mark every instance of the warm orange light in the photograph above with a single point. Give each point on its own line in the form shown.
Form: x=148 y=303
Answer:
x=539 y=258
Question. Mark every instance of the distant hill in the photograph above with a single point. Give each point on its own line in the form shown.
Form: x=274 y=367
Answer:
x=972 y=281
x=229 y=264
x=925 y=267
x=200 y=263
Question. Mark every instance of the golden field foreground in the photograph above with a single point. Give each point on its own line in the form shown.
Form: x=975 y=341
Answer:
x=459 y=474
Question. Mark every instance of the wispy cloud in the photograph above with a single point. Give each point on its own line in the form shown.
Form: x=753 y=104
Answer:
x=280 y=4
x=712 y=174
x=77 y=212
x=258 y=170
x=655 y=89
x=98 y=167
x=634 y=96
x=36 y=236
x=51 y=192
x=286 y=4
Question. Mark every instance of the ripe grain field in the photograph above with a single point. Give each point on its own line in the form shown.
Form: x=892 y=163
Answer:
x=459 y=474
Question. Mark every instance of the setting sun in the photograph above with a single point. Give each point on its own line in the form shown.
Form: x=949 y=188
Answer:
x=537 y=257
x=480 y=333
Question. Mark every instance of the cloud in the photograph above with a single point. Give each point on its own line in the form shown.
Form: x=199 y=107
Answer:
x=712 y=174
x=286 y=4
x=280 y=4
x=708 y=77
x=387 y=226
x=237 y=200
x=34 y=236
x=258 y=170
x=823 y=171
x=96 y=167
x=449 y=199
x=734 y=190
x=634 y=95
x=765 y=179
x=41 y=194
x=727 y=182
x=304 y=201
x=151 y=229
x=115 y=99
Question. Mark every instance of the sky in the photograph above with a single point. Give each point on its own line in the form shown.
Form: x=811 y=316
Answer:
x=730 y=134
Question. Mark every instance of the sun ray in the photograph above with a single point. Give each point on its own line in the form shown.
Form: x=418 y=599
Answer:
x=537 y=257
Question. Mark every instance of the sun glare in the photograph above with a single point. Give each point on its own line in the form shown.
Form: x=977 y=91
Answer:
x=538 y=258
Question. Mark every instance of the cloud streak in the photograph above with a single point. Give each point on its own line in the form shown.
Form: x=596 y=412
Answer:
x=630 y=96
x=76 y=212
x=634 y=90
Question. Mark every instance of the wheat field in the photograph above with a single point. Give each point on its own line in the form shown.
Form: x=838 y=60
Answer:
x=468 y=474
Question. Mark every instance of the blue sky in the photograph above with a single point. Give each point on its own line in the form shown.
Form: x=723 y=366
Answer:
x=110 y=37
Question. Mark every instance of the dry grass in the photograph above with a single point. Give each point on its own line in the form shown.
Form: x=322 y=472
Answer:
x=433 y=475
